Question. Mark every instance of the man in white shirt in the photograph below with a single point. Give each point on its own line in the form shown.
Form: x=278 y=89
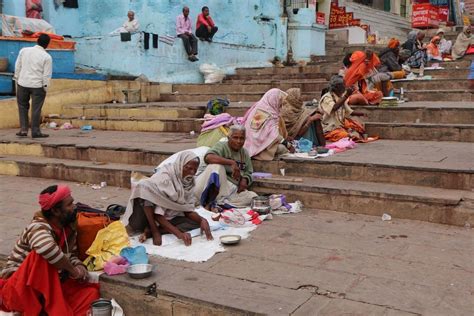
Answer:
x=131 y=25
x=33 y=70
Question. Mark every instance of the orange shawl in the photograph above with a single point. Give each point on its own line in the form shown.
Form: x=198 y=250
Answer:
x=433 y=49
x=359 y=69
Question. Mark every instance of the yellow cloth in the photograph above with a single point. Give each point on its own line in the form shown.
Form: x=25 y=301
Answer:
x=108 y=243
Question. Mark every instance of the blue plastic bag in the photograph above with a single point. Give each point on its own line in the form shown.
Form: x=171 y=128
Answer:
x=305 y=145
x=135 y=255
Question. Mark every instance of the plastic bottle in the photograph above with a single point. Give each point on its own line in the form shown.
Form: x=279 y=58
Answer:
x=422 y=69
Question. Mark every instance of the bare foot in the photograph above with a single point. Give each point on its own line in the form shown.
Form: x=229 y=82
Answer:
x=145 y=235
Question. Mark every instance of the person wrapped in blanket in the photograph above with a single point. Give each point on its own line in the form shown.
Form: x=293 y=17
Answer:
x=301 y=121
x=228 y=173
x=369 y=85
x=164 y=203
x=336 y=114
x=266 y=134
x=390 y=60
x=415 y=45
x=463 y=42
x=43 y=274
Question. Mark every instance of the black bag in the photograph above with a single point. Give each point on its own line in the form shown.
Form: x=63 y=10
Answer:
x=113 y=211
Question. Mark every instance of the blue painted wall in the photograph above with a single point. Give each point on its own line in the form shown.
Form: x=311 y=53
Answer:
x=251 y=33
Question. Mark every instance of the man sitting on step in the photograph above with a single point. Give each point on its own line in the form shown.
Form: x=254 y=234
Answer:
x=228 y=173
x=43 y=273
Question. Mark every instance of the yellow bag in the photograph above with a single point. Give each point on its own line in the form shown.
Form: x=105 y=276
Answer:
x=108 y=243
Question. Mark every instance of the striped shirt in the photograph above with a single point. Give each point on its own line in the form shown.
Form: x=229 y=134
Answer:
x=40 y=237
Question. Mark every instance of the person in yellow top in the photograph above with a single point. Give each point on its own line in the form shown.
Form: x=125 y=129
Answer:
x=337 y=115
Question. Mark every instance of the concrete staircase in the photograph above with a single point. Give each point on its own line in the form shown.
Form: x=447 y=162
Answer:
x=421 y=169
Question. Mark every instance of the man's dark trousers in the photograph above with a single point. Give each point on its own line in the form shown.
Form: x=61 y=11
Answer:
x=23 y=96
x=190 y=43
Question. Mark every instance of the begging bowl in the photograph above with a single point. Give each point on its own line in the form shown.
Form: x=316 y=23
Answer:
x=261 y=205
x=230 y=239
x=140 y=271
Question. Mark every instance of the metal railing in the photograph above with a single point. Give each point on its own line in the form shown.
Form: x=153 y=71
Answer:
x=296 y=4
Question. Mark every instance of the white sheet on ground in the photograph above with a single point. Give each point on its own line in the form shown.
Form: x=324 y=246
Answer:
x=201 y=249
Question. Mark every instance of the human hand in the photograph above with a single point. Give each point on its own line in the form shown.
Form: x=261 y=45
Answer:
x=243 y=185
x=349 y=91
x=206 y=229
x=186 y=238
x=235 y=171
x=80 y=273
x=291 y=148
x=315 y=117
x=156 y=239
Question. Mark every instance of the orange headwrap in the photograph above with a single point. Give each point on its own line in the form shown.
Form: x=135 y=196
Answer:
x=393 y=43
x=359 y=69
x=48 y=200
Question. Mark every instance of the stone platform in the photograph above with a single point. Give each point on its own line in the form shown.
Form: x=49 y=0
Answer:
x=315 y=262
x=419 y=180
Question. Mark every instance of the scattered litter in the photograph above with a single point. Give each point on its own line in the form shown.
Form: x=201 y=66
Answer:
x=99 y=186
x=192 y=133
x=124 y=101
x=87 y=128
x=114 y=101
x=467 y=225
x=261 y=175
x=417 y=121
x=240 y=102
x=53 y=125
x=176 y=92
x=104 y=198
x=386 y=217
x=53 y=115
x=282 y=171
x=212 y=73
x=66 y=125
x=83 y=118
x=99 y=163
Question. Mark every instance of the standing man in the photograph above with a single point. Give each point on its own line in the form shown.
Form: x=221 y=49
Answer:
x=185 y=32
x=33 y=70
x=43 y=275
x=205 y=27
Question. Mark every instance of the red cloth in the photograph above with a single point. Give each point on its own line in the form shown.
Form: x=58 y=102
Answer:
x=47 y=200
x=359 y=69
x=36 y=279
x=202 y=20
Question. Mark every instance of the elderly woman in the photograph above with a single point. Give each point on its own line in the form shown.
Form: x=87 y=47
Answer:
x=415 y=45
x=266 y=135
x=164 y=203
x=463 y=41
x=337 y=121
x=362 y=72
x=433 y=51
x=444 y=45
x=390 y=59
x=301 y=121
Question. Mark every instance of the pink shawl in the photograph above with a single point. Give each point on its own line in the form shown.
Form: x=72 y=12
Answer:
x=261 y=122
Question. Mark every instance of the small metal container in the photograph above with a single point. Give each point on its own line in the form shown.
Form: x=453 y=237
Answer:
x=101 y=307
x=140 y=271
x=261 y=204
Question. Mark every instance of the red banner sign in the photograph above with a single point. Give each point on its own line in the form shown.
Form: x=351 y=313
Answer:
x=424 y=15
x=320 y=18
x=340 y=18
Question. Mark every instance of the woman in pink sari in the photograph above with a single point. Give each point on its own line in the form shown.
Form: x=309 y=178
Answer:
x=34 y=9
x=266 y=135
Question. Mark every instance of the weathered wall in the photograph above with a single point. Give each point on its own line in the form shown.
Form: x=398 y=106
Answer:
x=250 y=33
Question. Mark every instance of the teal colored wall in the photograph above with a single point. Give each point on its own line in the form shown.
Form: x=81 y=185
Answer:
x=251 y=32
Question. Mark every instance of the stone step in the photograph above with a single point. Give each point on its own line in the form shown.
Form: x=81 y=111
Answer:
x=441 y=84
x=401 y=201
x=413 y=112
x=439 y=95
x=260 y=87
x=422 y=131
x=246 y=77
x=409 y=112
x=421 y=163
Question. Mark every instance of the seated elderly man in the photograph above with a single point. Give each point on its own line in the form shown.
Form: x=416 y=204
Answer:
x=228 y=173
x=43 y=274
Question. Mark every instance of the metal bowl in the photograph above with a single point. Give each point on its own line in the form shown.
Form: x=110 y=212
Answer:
x=140 y=271
x=261 y=204
x=230 y=239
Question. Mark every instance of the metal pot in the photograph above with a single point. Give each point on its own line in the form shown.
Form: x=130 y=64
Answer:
x=101 y=307
x=261 y=204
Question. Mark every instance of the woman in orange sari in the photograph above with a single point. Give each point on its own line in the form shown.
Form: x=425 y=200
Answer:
x=362 y=68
